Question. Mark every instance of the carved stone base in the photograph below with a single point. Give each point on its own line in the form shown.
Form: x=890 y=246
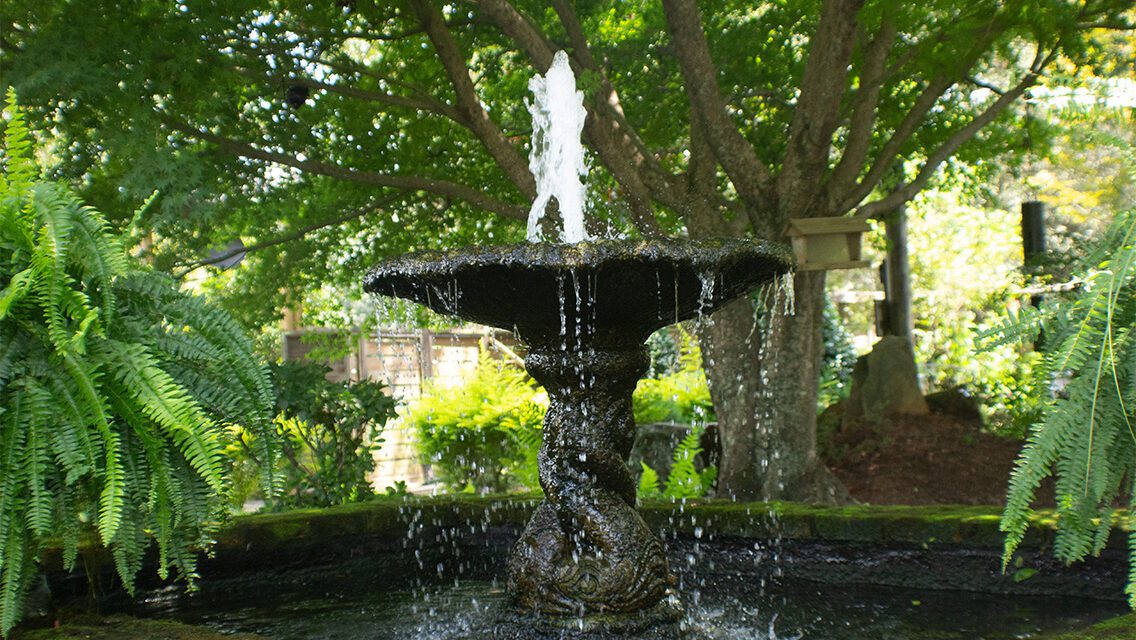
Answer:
x=551 y=573
x=586 y=551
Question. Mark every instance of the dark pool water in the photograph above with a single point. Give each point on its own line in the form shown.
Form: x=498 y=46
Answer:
x=368 y=599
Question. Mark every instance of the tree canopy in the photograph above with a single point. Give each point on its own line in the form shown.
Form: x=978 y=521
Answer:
x=357 y=129
x=329 y=135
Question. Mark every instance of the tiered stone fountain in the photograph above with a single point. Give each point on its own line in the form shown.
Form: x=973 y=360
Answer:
x=584 y=308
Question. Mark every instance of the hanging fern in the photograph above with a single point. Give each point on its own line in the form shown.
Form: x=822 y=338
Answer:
x=1086 y=438
x=117 y=391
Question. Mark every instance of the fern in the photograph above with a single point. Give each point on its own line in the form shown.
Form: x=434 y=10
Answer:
x=1086 y=437
x=685 y=479
x=118 y=393
x=649 y=483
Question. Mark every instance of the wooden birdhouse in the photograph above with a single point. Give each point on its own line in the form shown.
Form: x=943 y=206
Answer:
x=827 y=243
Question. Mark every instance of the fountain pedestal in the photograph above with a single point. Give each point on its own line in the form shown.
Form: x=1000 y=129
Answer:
x=585 y=310
x=586 y=550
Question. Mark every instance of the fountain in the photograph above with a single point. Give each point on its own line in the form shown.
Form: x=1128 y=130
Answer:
x=584 y=308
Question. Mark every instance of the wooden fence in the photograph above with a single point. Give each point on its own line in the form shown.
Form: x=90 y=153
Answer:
x=405 y=361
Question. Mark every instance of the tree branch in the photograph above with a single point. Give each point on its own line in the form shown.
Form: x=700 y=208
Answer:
x=816 y=115
x=703 y=219
x=956 y=140
x=417 y=104
x=341 y=67
x=406 y=183
x=985 y=85
x=844 y=199
x=473 y=114
x=289 y=237
x=751 y=178
x=863 y=119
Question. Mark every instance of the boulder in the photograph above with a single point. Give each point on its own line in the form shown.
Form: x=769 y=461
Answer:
x=885 y=382
x=655 y=444
x=956 y=402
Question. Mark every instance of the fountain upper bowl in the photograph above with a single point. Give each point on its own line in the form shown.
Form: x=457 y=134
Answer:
x=606 y=293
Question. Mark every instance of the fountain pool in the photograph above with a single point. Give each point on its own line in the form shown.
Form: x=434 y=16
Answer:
x=729 y=591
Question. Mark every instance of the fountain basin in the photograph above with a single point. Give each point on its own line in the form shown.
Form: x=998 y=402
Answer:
x=606 y=292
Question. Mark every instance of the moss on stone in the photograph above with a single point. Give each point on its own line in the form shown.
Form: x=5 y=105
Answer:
x=966 y=525
x=387 y=521
x=1118 y=628
x=126 y=628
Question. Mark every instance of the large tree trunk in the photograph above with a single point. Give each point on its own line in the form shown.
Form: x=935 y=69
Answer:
x=763 y=367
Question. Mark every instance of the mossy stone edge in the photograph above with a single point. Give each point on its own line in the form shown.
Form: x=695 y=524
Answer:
x=387 y=523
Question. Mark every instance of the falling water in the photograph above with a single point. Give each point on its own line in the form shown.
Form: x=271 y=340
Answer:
x=557 y=156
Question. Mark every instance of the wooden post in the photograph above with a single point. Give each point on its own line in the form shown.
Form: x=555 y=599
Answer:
x=897 y=276
x=426 y=354
x=1033 y=231
x=1033 y=240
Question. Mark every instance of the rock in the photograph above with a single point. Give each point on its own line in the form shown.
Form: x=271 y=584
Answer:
x=655 y=444
x=956 y=402
x=884 y=382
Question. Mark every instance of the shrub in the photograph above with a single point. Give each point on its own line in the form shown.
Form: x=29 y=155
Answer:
x=483 y=435
x=328 y=432
x=680 y=395
x=118 y=392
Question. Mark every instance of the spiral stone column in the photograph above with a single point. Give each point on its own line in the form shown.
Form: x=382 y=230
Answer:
x=586 y=551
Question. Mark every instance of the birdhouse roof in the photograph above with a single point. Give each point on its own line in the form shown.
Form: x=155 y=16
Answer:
x=819 y=226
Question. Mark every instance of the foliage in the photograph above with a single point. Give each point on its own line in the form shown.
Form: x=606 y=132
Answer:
x=483 y=435
x=328 y=431
x=118 y=393
x=1086 y=437
x=383 y=134
x=685 y=479
x=839 y=359
x=679 y=396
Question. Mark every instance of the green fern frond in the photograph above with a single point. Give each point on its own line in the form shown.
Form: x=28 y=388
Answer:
x=164 y=402
x=116 y=391
x=38 y=512
x=13 y=577
x=648 y=483
x=685 y=480
x=20 y=168
x=17 y=288
x=1086 y=437
x=1018 y=326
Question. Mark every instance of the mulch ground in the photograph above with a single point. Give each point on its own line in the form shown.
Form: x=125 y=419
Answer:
x=942 y=458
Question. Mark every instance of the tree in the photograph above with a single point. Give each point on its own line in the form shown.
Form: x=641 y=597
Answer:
x=405 y=122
